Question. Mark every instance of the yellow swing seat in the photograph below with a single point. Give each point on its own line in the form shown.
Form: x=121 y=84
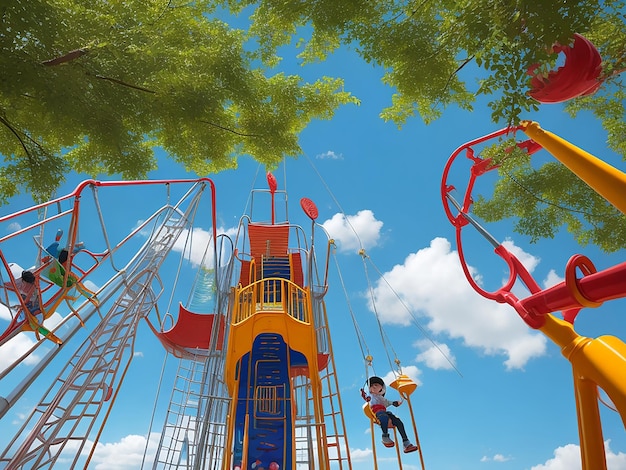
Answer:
x=404 y=385
x=367 y=410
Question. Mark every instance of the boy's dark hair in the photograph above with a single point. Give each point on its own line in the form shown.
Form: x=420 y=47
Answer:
x=27 y=276
x=63 y=256
x=376 y=380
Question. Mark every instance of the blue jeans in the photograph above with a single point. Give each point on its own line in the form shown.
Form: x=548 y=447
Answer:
x=384 y=417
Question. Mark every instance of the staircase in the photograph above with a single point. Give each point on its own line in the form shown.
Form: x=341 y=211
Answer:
x=92 y=377
x=269 y=405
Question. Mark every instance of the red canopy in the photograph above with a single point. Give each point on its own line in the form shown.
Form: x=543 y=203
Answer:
x=192 y=331
x=579 y=75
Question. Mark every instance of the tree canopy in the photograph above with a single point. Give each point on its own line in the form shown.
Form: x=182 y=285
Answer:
x=424 y=45
x=95 y=86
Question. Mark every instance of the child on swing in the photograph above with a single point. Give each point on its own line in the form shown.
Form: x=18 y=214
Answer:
x=378 y=403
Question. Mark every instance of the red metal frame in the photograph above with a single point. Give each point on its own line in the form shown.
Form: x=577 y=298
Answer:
x=569 y=296
x=76 y=194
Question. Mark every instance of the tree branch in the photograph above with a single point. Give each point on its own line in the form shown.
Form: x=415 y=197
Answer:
x=72 y=55
x=8 y=125
x=120 y=82
x=458 y=69
x=229 y=130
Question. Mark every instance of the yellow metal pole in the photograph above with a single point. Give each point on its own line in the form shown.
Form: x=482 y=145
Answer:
x=604 y=179
x=246 y=430
x=595 y=363
x=601 y=360
x=373 y=441
x=395 y=438
x=417 y=439
x=592 y=451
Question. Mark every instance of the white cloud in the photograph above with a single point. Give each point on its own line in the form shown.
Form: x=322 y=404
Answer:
x=412 y=371
x=529 y=261
x=196 y=245
x=13 y=227
x=359 y=455
x=5 y=313
x=15 y=347
x=329 y=154
x=495 y=458
x=568 y=458
x=24 y=341
x=565 y=458
x=432 y=283
x=93 y=287
x=127 y=454
x=53 y=320
x=552 y=279
x=353 y=232
x=614 y=461
x=436 y=356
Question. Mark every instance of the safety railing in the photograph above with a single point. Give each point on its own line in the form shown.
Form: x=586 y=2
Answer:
x=271 y=295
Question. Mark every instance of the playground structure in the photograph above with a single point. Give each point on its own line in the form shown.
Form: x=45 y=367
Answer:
x=596 y=363
x=255 y=385
x=122 y=264
x=286 y=408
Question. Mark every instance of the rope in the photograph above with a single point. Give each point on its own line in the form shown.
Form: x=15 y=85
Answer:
x=248 y=203
x=359 y=334
x=609 y=404
x=364 y=255
x=335 y=201
x=367 y=358
x=109 y=249
x=383 y=335
x=42 y=215
x=414 y=320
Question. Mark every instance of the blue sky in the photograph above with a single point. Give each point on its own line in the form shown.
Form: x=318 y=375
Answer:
x=507 y=402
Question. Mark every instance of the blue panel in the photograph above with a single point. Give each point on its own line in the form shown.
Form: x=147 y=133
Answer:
x=270 y=433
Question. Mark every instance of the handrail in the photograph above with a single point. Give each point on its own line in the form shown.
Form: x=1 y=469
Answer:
x=271 y=294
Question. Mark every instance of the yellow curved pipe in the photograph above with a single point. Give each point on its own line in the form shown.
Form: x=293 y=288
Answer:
x=604 y=179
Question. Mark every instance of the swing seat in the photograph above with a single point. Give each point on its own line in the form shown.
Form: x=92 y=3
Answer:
x=404 y=385
x=579 y=75
x=367 y=410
